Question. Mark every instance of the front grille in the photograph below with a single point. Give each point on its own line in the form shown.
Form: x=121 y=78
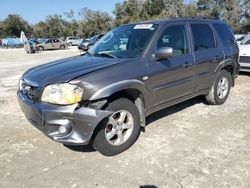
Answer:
x=244 y=59
x=30 y=91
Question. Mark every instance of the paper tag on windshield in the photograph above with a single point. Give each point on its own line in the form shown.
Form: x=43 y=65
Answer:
x=143 y=26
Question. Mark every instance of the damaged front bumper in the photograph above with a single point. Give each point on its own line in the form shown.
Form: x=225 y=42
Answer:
x=70 y=125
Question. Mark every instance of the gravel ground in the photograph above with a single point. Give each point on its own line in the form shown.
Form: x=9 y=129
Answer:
x=190 y=144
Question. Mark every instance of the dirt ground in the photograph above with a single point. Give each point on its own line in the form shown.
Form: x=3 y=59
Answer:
x=188 y=145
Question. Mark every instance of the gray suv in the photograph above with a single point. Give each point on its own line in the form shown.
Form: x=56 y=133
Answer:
x=103 y=97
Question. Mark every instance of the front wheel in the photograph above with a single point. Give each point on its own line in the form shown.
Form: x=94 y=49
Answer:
x=41 y=48
x=221 y=89
x=121 y=129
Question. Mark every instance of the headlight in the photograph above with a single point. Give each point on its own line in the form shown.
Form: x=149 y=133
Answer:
x=63 y=94
x=20 y=85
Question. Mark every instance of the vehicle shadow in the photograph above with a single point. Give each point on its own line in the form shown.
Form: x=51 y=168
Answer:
x=81 y=148
x=174 y=109
x=150 y=119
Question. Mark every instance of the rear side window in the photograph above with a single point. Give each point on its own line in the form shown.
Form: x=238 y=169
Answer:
x=203 y=37
x=225 y=34
x=56 y=40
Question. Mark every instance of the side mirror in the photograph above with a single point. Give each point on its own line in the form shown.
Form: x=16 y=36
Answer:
x=164 y=53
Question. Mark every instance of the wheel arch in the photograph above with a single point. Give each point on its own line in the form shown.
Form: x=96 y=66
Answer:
x=230 y=66
x=133 y=90
x=41 y=46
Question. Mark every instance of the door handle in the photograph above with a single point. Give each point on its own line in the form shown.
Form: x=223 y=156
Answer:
x=187 y=64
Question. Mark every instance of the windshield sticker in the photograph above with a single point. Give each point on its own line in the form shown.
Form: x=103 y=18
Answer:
x=143 y=26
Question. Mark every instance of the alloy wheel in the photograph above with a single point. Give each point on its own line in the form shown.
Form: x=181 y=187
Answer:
x=222 y=88
x=119 y=127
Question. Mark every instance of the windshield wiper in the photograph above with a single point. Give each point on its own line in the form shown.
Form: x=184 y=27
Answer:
x=89 y=54
x=105 y=55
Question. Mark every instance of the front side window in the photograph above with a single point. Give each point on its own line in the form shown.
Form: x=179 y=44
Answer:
x=176 y=38
x=203 y=37
x=49 y=41
x=124 y=42
x=225 y=34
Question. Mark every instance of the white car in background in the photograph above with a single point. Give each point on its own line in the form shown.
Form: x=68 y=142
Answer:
x=245 y=55
x=240 y=38
x=73 y=41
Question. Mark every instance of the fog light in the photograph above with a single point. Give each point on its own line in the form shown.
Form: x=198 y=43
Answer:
x=62 y=130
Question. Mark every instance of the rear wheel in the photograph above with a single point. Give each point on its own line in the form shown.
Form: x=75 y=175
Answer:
x=221 y=89
x=62 y=47
x=121 y=129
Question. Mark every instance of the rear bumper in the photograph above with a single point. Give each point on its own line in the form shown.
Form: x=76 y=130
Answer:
x=245 y=63
x=82 y=48
x=78 y=123
x=245 y=67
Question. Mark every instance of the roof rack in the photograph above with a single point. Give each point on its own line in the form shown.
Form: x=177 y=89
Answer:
x=206 y=17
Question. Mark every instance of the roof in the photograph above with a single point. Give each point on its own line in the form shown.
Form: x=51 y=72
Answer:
x=163 y=21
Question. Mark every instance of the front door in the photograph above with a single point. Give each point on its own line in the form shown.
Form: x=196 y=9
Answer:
x=56 y=44
x=48 y=44
x=172 y=78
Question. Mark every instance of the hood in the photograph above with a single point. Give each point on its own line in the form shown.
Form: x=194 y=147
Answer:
x=244 y=50
x=66 y=69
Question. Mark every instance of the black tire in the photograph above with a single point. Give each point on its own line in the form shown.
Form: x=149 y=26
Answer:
x=100 y=142
x=213 y=97
x=41 y=48
x=62 y=47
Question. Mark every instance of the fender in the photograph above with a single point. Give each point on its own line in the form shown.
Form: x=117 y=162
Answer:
x=225 y=63
x=122 y=85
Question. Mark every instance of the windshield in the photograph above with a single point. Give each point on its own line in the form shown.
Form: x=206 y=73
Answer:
x=246 y=41
x=93 y=38
x=124 y=42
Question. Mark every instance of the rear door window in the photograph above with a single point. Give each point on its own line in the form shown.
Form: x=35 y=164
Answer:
x=225 y=34
x=56 y=41
x=203 y=37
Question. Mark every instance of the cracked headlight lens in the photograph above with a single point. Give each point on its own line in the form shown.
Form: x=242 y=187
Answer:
x=62 y=93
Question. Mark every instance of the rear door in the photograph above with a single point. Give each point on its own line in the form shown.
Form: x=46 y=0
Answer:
x=56 y=44
x=172 y=78
x=229 y=43
x=208 y=54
